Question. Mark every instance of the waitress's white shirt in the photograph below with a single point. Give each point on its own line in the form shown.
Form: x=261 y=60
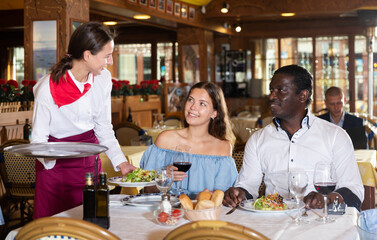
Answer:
x=91 y=111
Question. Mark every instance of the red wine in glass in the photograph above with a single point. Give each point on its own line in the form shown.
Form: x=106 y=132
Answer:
x=182 y=166
x=325 y=187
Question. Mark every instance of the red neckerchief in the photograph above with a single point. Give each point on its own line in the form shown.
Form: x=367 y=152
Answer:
x=66 y=92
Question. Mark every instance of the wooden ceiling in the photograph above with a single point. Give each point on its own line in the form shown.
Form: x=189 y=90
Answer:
x=256 y=16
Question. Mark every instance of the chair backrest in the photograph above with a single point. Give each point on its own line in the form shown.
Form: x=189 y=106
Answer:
x=237 y=155
x=59 y=227
x=214 y=230
x=17 y=171
x=125 y=132
x=173 y=120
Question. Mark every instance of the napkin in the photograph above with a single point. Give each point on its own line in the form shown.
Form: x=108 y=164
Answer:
x=368 y=220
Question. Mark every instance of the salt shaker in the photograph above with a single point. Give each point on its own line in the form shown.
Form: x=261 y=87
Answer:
x=165 y=205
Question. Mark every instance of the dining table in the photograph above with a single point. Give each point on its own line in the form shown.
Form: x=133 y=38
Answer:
x=138 y=223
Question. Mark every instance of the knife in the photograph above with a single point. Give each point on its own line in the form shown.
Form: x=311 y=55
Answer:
x=232 y=210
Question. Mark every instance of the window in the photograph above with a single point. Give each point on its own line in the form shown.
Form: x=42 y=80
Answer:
x=134 y=62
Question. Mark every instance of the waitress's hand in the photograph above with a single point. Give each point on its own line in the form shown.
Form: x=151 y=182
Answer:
x=125 y=168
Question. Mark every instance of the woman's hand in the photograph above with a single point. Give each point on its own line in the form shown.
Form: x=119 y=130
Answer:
x=126 y=168
x=178 y=175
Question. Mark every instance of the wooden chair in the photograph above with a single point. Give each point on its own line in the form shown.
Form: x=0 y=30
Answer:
x=200 y=230
x=126 y=131
x=18 y=175
x=63 y=228
x=237 y=155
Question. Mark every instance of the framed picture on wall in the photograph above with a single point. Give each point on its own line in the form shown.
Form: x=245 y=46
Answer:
x=75 y=24
x=143 y=2
x=190 y=63
x=161 y=5
x=152 y=3
x=169 y=6
x=191 y=13
x=184 y=11
x=175 y=94
x=177 y=9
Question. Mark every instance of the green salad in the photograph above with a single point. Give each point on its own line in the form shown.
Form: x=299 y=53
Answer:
x=140 y=175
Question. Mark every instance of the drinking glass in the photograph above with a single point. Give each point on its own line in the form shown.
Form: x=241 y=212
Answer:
x=162 y=122
x=298 y=181
x=324 y=180
x=155 y=123
x=164 y=179
x=182 y=160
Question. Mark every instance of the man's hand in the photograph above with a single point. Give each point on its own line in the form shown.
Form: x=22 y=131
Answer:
x=233 y=196
x=125 y=168
x=316 y=200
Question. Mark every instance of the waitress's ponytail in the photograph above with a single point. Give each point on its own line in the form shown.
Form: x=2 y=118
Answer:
x=59 y=69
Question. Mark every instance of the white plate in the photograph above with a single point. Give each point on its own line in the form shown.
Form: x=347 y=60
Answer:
x=117 y=181
x=148 y=200
x=249 y=206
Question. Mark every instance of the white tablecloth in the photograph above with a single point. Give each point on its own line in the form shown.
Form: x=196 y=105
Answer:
x=239 y=125
x=128 y=222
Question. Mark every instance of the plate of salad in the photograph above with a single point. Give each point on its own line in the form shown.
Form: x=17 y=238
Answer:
x=138 y=178
x=271 y=203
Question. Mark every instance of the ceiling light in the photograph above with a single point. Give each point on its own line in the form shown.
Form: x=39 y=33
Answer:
x=225 y=8
x=288 y=14
x=110 y=23
x=238 y=28
x=142 y=17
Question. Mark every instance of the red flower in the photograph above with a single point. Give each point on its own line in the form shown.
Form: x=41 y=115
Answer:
x=13 y=83
x=2 y=82
x=138 y=86
x=32 y=83
x=25 y=83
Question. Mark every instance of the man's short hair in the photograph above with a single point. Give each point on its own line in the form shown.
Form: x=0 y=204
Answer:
x=333 y=91
x=301 y=78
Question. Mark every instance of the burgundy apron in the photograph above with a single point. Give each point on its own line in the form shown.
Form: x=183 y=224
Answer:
x=60 y=188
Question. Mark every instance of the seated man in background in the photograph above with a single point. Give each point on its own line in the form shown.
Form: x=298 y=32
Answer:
x=296 y=140
x=354 y=126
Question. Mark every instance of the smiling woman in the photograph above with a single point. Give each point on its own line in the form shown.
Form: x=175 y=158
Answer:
x=209 y=135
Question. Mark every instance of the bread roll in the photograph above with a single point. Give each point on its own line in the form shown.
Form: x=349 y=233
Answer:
x=186 y=202
x=204 y=204
x=217 y=197
x=204 y=196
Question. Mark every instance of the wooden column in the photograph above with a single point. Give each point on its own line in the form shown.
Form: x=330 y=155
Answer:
x=65 y=12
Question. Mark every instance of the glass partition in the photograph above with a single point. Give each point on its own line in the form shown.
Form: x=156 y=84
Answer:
x=331 y=67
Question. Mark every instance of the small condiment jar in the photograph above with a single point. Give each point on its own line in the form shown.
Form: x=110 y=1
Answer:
x=165 y=205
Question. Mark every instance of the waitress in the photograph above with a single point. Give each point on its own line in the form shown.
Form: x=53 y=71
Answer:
x=73 y=104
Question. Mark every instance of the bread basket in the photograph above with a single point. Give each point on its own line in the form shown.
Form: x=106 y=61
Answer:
x=204 y=214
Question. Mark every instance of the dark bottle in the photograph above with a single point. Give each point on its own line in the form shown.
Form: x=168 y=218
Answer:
x=89 y=198
x=102 y=202
x=129 y=118
x=27 y=130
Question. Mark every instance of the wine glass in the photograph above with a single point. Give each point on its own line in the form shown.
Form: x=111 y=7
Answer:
x=182 y=160
x=162 y=122
x=155 y=123
x=164 y=179
x=298 y=181
x=324 y=180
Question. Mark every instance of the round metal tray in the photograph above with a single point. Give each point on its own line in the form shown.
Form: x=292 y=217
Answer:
x=57 y=149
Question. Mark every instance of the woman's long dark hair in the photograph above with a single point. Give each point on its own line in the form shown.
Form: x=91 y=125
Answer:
x=92 y=36
x=220 y=126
